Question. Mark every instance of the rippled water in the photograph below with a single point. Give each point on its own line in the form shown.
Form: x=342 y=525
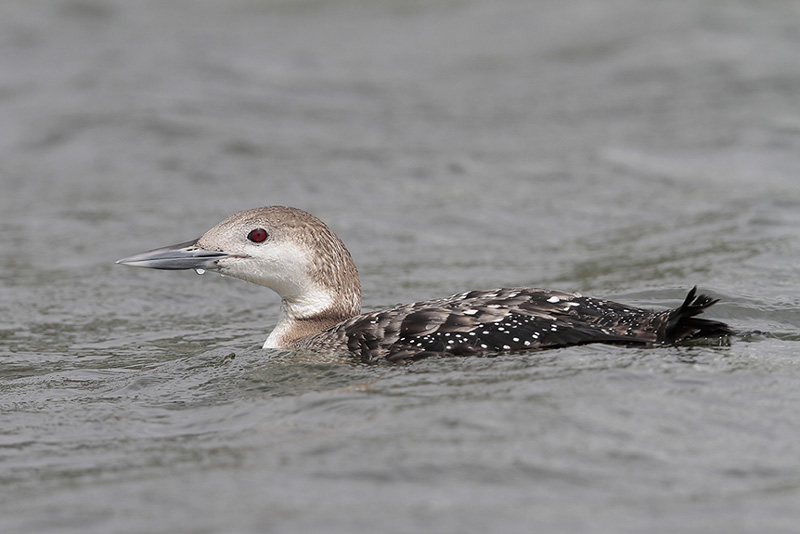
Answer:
x=623 y=149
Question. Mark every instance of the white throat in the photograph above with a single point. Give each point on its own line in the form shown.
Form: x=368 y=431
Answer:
x=314 y=301
x=306 y=296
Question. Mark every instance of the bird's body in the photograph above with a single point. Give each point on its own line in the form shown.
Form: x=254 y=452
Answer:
x=298 y=256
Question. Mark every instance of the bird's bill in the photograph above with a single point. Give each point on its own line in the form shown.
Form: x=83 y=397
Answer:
x=181 y=256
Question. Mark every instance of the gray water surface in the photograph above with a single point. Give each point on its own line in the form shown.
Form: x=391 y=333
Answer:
x=624 y=149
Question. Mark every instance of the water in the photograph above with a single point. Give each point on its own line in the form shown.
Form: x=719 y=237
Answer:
x=626 y=149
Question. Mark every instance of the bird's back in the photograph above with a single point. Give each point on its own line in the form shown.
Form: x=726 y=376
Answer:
x=512 y=319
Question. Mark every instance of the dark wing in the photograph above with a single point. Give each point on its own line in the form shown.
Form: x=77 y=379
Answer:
x=481 y=322
x=515 y=319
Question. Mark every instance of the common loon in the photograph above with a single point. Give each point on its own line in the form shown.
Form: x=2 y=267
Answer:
x=299 y=257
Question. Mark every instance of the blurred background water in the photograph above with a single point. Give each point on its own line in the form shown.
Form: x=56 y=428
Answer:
x=626 y=149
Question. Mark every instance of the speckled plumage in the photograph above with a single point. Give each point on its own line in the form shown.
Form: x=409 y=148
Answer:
x=299 y=257
x=510 y=319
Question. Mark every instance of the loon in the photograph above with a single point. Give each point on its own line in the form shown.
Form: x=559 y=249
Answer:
x=295 y=254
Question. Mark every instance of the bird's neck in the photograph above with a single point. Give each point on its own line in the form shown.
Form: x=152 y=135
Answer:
x=315 y=306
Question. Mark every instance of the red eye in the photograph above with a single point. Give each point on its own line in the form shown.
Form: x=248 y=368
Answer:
x=257 y=236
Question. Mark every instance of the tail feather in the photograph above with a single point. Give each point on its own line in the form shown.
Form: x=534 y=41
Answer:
x=682 y=323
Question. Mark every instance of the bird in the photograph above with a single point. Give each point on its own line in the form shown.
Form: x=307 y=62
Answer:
x=300 y=258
